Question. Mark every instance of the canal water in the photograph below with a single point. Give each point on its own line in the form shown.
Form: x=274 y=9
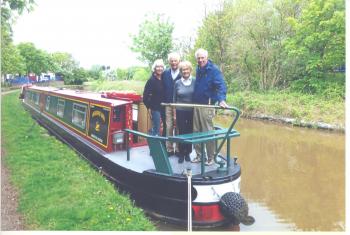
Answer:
x=292 y=178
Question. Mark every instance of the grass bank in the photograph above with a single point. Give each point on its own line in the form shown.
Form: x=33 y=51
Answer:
x=309 y=108
x=304 y=107
x=57 y=189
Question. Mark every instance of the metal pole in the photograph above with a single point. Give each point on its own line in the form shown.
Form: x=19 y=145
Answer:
x=202 y=159
x=127 y=147
x=228 y=150
x=189 y=201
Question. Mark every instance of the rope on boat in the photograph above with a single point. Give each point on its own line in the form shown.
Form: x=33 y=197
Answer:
x=189 y=201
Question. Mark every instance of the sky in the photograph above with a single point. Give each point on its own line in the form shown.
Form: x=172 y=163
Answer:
x=98 y=32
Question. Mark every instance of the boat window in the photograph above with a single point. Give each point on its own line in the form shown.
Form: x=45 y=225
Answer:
x=60 y=108
x=117 y=113
x=79 y=115
x=36 y=98
x=47 y=105
x=135 y=110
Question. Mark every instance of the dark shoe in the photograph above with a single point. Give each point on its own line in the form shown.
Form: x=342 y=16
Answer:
x=170 y=154
x=181 y=159
x=187 y=158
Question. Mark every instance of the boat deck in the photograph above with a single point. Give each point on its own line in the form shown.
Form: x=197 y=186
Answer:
x=140 y=161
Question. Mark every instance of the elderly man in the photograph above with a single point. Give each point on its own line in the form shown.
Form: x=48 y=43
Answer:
x=169 y=77
x=210 y=88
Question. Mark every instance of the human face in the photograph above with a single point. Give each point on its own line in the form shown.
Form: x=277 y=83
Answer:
x=159 y=70
x=174 y=63
x=186 y=72
x=202 y=60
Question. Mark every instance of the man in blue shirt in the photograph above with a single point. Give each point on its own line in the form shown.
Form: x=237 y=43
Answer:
x=169 y=77
x=210 y=88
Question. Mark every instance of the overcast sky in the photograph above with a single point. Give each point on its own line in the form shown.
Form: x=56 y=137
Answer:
x=98 y=32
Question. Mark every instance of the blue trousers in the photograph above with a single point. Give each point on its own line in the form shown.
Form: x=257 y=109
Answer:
x=155 y=122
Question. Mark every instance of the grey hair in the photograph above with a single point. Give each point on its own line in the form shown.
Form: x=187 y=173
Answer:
x=156 y=63
x=201 y=51
x=174 y=55
x=184 y=64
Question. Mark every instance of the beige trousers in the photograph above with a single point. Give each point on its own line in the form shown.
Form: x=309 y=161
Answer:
x=203 y=121
x=169 y=119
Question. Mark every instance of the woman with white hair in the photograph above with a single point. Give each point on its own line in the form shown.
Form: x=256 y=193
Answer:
x=153 y=95
x=183 y=92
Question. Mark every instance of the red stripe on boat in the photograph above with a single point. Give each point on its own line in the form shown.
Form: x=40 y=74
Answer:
x=207 y=213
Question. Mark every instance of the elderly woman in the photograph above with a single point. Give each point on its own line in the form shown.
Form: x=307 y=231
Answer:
x=183 y=90
x=153 y=95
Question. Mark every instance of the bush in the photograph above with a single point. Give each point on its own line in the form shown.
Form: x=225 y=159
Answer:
x=331 y=87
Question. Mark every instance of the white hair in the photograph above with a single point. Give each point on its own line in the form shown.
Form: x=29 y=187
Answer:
x=185 y=64
x=202 y=52
x=156 y=63
x=174 y=55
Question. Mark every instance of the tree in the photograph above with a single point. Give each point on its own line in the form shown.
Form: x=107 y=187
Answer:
x=319 y=40
x=37 y=61
x=95 y=72
x=63 y=62
x=245 y=38
x=154 y=40
x=76 y=77
x=11 y=61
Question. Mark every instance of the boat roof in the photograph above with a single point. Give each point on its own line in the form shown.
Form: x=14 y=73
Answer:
x=92 y=96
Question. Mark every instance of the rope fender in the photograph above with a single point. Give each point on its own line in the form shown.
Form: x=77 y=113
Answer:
x=234 y=207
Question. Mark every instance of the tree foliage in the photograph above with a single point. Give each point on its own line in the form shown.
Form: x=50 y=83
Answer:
x=37 y=61
x=319 y=40
x=76 y=77
x=11 y=61
x=154 y=40
x=262 y=45
x=63 y=63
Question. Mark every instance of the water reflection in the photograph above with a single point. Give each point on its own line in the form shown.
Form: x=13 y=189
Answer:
x=294 y=178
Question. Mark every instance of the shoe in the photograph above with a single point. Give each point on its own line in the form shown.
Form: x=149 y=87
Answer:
x=181 y=159
x=170 y=154
x=187 y=158
x=209 y=162
x=196 y=159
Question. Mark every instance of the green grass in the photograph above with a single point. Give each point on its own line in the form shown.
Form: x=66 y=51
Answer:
x=305 y=107
x=57 y=189
x=291 y=105
x=124 y=85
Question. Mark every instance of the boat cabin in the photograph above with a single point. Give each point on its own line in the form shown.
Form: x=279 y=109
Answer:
x=99 y=118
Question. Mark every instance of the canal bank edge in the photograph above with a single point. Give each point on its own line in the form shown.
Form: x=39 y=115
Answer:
x=292 y=121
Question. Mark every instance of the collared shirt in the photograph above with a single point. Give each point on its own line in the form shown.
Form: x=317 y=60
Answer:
x=174 y=73
x=186 y=82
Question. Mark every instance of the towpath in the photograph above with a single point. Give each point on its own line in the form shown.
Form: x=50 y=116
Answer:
x=11 y=220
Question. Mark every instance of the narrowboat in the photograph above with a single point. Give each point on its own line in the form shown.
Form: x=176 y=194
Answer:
x=109 y=129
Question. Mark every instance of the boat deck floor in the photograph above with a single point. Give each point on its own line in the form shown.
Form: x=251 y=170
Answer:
x=141 y=160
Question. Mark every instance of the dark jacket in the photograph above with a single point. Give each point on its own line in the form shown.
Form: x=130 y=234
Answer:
x=169 y=82
x=209 y=84
x=153 y=94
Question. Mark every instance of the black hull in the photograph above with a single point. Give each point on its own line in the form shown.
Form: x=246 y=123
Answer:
x=161 y=196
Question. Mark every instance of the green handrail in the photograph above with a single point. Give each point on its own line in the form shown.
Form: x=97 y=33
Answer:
x=236 y=110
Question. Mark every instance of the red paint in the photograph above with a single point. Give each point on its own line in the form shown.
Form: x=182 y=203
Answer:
x=207 y=213
x=132 y=96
